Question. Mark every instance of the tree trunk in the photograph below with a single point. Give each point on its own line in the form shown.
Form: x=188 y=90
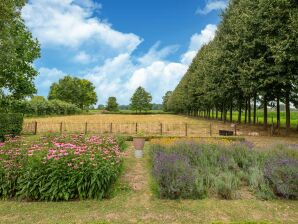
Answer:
x=265 y=113
x=216 y=113
x=255 y=108
x=249 y=111
x=245 y=113
x=239 y=112
x=278 y=113
x=231 y=112
x=288 y=113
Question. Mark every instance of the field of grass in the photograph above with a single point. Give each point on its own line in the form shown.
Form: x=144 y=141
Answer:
x=271 y=117
x=133 y=202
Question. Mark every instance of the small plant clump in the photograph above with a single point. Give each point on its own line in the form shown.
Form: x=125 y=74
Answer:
x=198 y=170
x=59 y=168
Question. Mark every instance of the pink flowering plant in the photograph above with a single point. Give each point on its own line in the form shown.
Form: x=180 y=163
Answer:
x=60 y=168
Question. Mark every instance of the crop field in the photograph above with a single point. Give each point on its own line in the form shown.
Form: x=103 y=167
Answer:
x=151 y=124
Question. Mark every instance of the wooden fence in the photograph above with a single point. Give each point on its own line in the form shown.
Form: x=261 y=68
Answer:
x=153 y=128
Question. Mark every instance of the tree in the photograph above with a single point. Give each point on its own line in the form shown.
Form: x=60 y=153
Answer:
x=112 y=104
x=253 y=57
x=18 y=50
x=80 y=92
x=141 y=100
x=165 y=99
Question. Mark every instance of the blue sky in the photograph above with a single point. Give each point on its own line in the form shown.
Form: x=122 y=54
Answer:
x=120 y=45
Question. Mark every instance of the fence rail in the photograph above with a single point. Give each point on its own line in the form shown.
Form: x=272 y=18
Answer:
x=153 y=128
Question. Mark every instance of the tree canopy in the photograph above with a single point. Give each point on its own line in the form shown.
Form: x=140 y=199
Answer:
x=18 y=50
x=141 y=100
x=112 y=104
x=80 y=92
x=165 y=99
x=253 y=60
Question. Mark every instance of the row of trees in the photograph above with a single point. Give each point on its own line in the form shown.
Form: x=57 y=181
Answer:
x=252 y=62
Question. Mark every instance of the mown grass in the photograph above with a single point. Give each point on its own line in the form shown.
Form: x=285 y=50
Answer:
x=133 y=202
x=271 y=117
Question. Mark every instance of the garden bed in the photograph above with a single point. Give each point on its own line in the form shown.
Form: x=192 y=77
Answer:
x=60 y=168
x=193 y=170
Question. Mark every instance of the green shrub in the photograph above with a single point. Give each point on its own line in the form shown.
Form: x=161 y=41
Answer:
x=226 y=185
x=10 y=124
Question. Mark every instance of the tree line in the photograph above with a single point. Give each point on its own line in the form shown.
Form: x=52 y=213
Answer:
x=252 y=62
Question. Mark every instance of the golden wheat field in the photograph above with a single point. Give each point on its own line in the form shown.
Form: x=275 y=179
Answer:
x=157 y=124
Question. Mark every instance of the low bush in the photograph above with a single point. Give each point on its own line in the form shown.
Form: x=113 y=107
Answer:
x=282 y=174
x=10 y=124
x=59 y=168
x=197 y=170
x=174 y=175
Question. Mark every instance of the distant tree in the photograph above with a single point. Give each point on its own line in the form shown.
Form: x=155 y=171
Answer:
x=112 y=104
x=165 y=99
x=100 y=107
x=141 y=100
x=124 y=107
x=157 y=106
x=18 y=50
x=80 y=92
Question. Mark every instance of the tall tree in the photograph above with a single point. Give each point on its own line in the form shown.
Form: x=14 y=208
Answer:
x=141 y=100
x=80 y=92
x=112 y=104
x=165 y=99
x=18 y=50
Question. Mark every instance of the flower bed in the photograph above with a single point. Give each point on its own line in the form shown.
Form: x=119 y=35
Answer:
x=59 y=168
x=199 y=170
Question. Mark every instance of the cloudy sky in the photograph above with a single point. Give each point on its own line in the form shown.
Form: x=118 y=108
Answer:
x=120 y=44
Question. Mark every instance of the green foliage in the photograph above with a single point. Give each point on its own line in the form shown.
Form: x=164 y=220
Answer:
x=18 y=50
x=141 y=100
x=112 y=104
x=59 y=168
x=165 y=99
x=253 y=58
x=38 y=106
x=73 y=90
x=10 y=124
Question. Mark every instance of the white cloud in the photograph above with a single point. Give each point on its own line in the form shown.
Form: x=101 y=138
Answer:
x=155 y=53
x=83 y=57
x=120 y=77
x=213 y=6
x=70 y=23
x=47 y=76
x=157 y=78
x=197 y=41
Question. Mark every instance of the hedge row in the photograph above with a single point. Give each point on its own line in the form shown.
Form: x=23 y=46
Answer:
x=10 y=124
x=44 y=107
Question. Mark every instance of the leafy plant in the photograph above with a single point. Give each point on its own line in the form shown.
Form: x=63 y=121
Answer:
x=59 y=168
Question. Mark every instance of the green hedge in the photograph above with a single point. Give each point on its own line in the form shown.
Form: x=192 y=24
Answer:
x=10 y=124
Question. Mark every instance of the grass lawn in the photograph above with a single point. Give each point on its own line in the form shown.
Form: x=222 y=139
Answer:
x=134 y=203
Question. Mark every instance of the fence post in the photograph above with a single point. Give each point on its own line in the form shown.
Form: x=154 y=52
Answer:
x=186 y=131
x=111 y=128
x=86 y=128
x=137 y=128
x=235 y=129
x=161 y=129
x=35 y=128
x=210 y=129
x=61 y=128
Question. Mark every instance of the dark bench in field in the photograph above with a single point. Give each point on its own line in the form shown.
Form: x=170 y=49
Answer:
x=226 y=133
